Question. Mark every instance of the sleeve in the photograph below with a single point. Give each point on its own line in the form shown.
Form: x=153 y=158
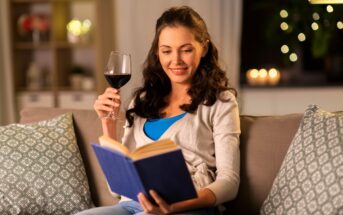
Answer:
x=226 y=132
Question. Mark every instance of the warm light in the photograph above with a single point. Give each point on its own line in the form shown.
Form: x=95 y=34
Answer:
x=78 y=31
x=314 y=26
x=315 y=16
x=326 y=1
x=283 y=13
x=272 y=73
x=74 y=27
x=262 y=73
x=329 y=9
x=273 y=76
x=284 y=49
x=340 y=25
x=301 y=37
x=252 y=76
x=284 y=26
x=293 y=57
x=86 y=26
x=263 y=77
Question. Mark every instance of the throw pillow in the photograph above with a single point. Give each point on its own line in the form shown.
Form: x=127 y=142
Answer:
x=310 y=179
x=41 y=169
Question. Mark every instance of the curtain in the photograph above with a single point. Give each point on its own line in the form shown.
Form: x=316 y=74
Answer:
x=7 y=111
x=134 y=23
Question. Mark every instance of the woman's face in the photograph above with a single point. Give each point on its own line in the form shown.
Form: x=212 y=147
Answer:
x=179 y=53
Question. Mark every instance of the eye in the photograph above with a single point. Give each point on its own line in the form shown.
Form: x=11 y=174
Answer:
x=166 y=52
x=187 y=50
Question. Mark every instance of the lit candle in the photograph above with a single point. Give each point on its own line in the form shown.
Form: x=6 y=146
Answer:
x=273 y=76
x=252 y=76
x=262 y=77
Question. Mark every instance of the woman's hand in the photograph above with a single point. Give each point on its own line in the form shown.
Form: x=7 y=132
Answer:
x=107 y=102
x=161 y=208
x=206 y=198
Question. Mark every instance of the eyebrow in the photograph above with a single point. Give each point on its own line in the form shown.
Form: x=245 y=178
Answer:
x=166 y=46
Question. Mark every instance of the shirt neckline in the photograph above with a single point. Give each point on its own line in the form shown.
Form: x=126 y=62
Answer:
x=171 y=131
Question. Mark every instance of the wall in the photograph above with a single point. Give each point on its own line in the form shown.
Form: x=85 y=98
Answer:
x=279 y=101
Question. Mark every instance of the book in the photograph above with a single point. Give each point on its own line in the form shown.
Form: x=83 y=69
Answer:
x=159 y=166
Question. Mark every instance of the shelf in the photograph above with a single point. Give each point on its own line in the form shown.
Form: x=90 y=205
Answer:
x=48 y=63
x=29 y=1
x=72 y=45
x=30 y=45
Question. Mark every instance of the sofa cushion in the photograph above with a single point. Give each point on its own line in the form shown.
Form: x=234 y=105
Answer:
x=41 y=170
x=87 y=128
x=310 y=180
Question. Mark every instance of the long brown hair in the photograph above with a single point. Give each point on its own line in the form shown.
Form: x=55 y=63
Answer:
x=207 y=83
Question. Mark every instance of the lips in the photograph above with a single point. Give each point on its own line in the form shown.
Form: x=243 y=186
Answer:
x=178 y=71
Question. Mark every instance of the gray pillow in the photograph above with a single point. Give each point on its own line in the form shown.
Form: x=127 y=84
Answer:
x=41 y=169
x=310 y=180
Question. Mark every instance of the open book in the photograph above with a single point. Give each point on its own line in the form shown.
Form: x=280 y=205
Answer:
x=159 y=166
x=154 y=148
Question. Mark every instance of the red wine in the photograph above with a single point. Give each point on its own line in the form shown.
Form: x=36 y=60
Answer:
x=117 y=81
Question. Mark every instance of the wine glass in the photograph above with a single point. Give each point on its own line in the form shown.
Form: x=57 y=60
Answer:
x=117 y=73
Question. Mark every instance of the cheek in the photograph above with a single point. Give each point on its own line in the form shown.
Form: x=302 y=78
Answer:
x=194 y=60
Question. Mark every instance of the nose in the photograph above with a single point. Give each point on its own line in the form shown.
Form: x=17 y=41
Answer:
x=176 y=58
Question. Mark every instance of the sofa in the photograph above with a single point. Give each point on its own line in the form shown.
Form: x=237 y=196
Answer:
x=264 y=144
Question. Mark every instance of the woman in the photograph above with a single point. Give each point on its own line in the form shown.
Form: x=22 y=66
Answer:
x=185 y=97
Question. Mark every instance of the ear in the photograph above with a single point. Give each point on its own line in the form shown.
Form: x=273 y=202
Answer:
x=205 y=48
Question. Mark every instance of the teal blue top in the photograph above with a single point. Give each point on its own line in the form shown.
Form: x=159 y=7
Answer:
x=154 y=128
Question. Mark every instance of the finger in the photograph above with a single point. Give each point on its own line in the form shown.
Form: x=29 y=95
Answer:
x=109 y=100
x=109 y=95
x=105 y=108
x=161 y=203
x=147 y=205
x=111 y=90
x=142 y=202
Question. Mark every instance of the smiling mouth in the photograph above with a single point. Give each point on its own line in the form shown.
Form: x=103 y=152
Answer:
x=178 y=71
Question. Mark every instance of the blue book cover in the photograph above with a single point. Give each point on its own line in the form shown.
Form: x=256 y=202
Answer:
x=166 y=173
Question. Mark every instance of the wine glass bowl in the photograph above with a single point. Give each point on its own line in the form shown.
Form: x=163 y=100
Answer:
x=117 y=73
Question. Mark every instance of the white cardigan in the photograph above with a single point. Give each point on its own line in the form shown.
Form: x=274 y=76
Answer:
x=209 y=140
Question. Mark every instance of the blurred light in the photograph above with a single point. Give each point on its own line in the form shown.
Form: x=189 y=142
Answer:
x=283 y=13
x=284 y=49
x=253 y=73
x=74 y=26
x=340 y=25
x=301 y=37
x=284 y=26
x=329 y=9
x=314 y=26
x=315 y=16
x=272 y=72
x=273 y=76
x=252 y=76
x=86 y=26
x=326 y=1
x=262 y=73
x=293 y=57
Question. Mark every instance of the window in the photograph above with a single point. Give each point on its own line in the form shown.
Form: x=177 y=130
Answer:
x=273 y=30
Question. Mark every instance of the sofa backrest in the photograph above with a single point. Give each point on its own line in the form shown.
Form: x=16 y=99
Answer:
x=264 y=142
